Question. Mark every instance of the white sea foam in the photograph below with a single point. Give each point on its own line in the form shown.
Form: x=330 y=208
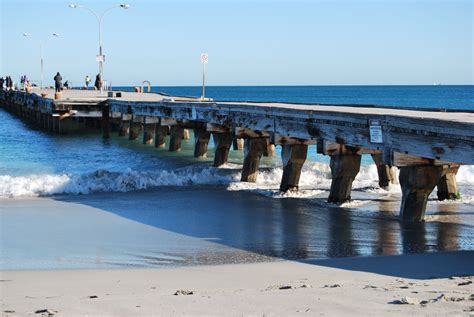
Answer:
x=315 y=180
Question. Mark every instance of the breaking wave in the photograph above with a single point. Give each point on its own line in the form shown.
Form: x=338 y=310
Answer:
x=315 y=180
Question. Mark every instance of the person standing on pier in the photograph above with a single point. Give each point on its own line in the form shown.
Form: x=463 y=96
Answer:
x=88 y=81
x=57 y=82
x=98 y=82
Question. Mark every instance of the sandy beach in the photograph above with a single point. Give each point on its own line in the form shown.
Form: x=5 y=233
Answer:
x=432 y=284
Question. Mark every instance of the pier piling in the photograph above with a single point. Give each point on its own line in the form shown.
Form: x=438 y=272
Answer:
x=223 y=142
x=253 y=151
x=148 y=132
x=161 y=131
x=176 y=137
x=387 y=173
x=447 y=185
x=201 y=142
x=134 y=129
x=293 y=157
x=344 y=169
x=417 y=183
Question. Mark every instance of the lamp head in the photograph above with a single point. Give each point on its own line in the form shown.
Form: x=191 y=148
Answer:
x=26 y=34
x=56 y=34
x=73 y=6
x=125 y=6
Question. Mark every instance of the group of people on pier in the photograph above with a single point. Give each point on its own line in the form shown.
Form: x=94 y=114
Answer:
x=7 y=83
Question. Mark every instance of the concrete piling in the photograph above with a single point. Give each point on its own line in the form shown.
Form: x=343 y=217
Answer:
x=293 y=157
x=387 y=173
x=447 y=185
x=253 y=151
x=201 y=142
x=176 y=137
x=344 y=169
x=417 y=183
x=223 y=142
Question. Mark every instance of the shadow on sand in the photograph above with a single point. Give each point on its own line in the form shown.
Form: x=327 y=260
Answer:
x=298 y=229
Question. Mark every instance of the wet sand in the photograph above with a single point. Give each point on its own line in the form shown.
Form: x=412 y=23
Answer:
x=433 y=284
x=209 y=225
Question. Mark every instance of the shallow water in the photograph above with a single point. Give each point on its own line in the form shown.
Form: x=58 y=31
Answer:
x=173 y=226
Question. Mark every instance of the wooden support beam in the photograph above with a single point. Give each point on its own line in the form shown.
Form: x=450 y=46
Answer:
x=161 y=131
x=148 y=131
x=447 y=185
x=176 y=137
x=344 y=169
x=286 y=140
x=186 y=135
x=269 y=149
x=330 y=148
x=201 y=142
x=238 y=144
x=249 y=133
x=134 y=128
x=210 y=127
x=417 y=183
x=105 y=121
x=293 y=157
x=387 y=173
x=123 y=127
x=223 y=142
x=253 y=152
x=402 y=160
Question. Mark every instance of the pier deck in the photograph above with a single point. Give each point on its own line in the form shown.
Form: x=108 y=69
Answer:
x=427 y=146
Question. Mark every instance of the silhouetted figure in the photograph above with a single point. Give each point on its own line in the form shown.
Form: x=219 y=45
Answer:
x=57 y=82
x=98 y=82
x=88 y=81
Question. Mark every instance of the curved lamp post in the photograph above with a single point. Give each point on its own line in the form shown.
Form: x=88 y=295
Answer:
x=41 y=55
x=100 y=57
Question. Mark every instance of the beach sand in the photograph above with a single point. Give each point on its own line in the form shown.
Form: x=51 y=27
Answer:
x=371 y=286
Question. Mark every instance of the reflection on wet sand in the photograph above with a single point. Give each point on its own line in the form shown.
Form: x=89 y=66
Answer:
x=214 y=226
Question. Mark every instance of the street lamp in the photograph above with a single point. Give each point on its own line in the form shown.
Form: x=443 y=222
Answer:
x=100 y=57
x=41 y=55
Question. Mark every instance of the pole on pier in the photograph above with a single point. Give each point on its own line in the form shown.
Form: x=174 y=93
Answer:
x=204 y=61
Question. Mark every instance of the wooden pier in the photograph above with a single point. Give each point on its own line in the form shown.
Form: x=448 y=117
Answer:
x=427 y=146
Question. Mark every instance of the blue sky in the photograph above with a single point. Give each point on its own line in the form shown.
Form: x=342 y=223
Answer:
x=258 y=42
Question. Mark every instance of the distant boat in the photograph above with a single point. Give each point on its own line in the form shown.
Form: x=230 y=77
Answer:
x=436 y=84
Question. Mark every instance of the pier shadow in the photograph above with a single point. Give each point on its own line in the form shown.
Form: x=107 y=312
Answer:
x=293 y=229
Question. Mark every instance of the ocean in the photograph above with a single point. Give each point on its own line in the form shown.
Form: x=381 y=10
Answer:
x=78 y=201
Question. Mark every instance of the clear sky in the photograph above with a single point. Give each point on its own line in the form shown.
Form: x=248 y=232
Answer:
x=259 y=42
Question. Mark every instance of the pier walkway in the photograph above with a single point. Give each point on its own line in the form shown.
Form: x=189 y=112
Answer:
x=427 y=146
